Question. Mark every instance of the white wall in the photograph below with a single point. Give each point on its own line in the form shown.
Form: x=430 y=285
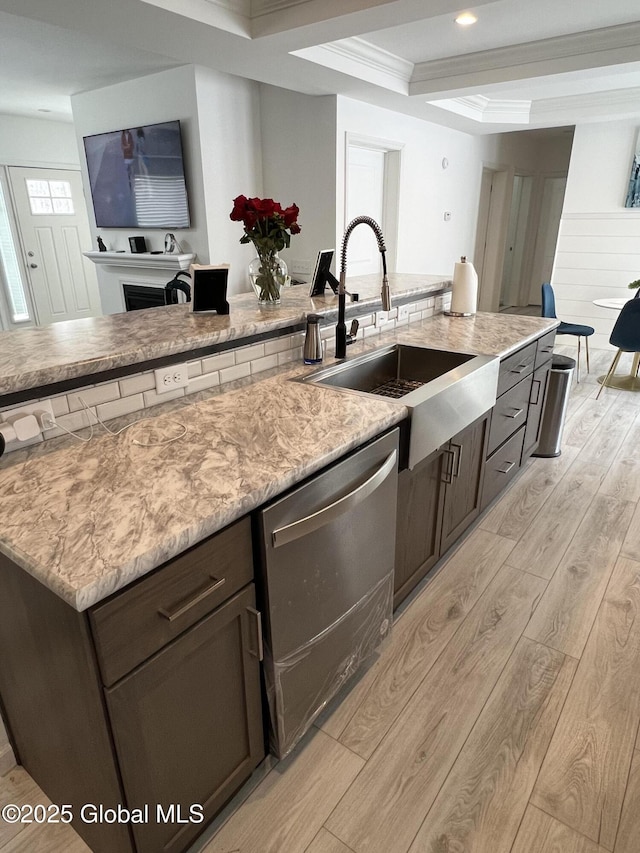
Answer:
x=299 y=165
x=426 y=243
x=228 y=111
x=37 y=142
x=598 y=251
x=219 y=117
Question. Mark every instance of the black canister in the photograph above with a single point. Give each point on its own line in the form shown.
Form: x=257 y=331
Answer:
x=312 y=352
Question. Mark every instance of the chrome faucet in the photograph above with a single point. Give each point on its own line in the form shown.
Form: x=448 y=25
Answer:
x=341 y=329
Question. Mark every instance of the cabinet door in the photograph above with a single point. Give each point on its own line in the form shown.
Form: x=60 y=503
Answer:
x=187 y=724
x=463 y=478
x=536 y=407
x=418 y=523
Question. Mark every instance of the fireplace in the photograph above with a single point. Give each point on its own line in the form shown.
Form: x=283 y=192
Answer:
x=138 y=296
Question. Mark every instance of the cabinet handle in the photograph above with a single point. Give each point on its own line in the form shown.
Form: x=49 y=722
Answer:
x=306 y=525
x=447 y=474
x=516 y=413
x=520 y=369
x=259 y=652
x=537 y=384
x=457 y=459
x=172 y=615
x=506 y=468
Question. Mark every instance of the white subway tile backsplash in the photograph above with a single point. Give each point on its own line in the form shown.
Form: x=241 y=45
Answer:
x=137 y=384
x=287 y=357
x=136 y=392
x=74 y=421
x=124 y=406
x=218 y=362
x=151 y=398
x=237 y=372
x=200 y=383
x=60 y=405
x=265 y=363
x=93 y=395
x=277 y=345
x=249 y=353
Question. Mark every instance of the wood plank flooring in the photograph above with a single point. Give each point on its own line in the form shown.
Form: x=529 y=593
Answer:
x=503 y=716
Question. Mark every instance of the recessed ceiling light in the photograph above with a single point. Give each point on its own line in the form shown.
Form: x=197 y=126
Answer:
x=465 y=19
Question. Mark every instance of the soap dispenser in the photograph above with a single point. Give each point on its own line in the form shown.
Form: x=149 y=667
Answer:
x=312 y=352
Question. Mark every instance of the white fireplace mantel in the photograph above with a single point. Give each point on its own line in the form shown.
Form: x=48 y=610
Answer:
x=142 y=260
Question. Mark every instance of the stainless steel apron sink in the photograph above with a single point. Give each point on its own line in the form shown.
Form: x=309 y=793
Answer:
x=444 y=391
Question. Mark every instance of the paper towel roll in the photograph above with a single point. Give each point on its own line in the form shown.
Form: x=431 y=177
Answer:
x=464 y=294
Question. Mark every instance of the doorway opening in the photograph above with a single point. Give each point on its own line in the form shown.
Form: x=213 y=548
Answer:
x=372 y=188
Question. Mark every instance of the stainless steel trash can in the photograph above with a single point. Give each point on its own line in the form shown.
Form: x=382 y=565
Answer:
x=555 y=407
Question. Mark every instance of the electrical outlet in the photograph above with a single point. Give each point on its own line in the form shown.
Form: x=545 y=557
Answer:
x=171 y=377
x=382 y=317
x=403 y=312
x=44 y=407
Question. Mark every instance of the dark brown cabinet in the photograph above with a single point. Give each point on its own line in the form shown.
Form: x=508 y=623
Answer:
x=187 y=724
x=444 y=494
x=418 y=523
x=152 y=698
x=462 y=482
x=515 y=419
x=437 y=501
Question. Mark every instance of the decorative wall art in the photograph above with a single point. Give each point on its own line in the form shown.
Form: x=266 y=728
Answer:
x=633 y=193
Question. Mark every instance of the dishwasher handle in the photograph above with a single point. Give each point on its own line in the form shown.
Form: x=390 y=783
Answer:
x=306 y=525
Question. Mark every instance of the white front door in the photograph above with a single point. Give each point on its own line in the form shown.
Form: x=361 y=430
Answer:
x=54 y=231
x=365 y=197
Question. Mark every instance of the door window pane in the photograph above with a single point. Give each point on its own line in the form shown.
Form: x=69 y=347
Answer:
x=50 y=197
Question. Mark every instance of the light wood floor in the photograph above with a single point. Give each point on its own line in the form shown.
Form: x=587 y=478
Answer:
x=503 y=715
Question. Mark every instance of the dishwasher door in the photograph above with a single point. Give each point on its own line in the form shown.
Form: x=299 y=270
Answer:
x=327 y=578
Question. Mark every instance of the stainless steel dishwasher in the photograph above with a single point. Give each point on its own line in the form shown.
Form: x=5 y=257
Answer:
x=327 y=579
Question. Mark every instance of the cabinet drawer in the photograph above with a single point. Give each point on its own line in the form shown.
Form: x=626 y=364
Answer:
x=502 y=467
x=135 y=623
x=515 y=367
x=509 y=413
x=545 y=348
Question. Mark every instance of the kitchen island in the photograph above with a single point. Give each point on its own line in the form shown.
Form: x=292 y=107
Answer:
x=90 y=523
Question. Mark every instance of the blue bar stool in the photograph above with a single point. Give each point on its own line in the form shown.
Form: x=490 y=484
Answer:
x=580 y=331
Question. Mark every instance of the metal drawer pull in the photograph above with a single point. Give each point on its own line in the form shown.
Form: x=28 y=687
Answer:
x=259 y=653
x=172 y=615
x=458 y=459
x=306 y=525
x=537 y=384
x=521 y=368
x=447 y=473
x=506 y=468
x=516 y=414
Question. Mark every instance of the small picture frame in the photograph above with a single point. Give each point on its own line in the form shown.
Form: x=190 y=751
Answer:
x=322 y=274
x=209 y=288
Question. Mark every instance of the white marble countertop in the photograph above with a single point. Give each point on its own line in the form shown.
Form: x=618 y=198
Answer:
x=37 y=356
x=87 y=519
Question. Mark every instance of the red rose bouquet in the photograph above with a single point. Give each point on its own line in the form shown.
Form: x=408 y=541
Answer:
x=269 y=227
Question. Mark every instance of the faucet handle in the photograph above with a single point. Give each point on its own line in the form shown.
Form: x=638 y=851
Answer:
x=353 y=331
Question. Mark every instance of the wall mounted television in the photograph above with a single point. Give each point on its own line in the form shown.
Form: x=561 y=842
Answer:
x=137 y=177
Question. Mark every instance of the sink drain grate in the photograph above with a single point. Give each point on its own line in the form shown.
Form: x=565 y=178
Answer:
x=397 y=388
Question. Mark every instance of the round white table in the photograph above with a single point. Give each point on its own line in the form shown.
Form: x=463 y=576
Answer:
x=631 y=381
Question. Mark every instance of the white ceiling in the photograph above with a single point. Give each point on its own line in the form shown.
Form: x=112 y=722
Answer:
x=540 y=63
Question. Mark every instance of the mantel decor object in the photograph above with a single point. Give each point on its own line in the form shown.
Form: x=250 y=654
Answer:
x=269 y=227
x=464 y=292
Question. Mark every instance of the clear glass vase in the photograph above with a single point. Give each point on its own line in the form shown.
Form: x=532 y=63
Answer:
x=268 y=274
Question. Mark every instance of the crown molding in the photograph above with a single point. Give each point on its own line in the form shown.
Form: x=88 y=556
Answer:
x=489 y=110
x=369 y=55
x=594 y=48
x=612 y=103
x=359 y=58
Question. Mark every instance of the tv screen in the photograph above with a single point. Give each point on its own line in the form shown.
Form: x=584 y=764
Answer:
x=137 y=177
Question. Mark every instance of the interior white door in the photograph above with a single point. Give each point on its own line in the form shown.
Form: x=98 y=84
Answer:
x=365 y=197
x=54 y=231
x=547 y=239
